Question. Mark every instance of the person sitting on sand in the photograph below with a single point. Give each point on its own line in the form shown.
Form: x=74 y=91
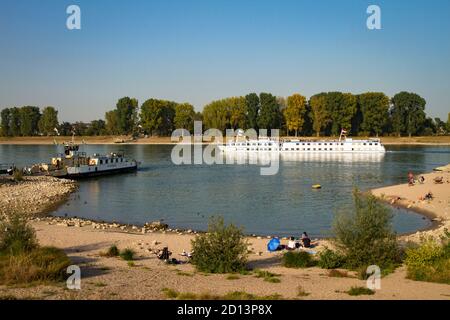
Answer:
x=410 y=178
x=292 y=244
x=421 y=179
x=164 y=254
x=428 y=196
x=306 y=240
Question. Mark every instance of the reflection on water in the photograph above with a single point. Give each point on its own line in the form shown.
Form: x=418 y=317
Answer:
x=283 y=204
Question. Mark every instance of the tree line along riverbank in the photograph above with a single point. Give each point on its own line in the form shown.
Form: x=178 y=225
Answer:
x=108 y=139
x=325 y=114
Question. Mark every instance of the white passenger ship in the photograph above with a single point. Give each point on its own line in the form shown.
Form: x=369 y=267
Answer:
x=343 y=145
x=75 y=164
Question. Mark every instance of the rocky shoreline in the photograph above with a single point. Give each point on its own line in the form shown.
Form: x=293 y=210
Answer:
x=33 y=195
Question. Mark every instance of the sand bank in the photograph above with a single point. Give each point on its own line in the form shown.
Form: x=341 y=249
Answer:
x=411 y=197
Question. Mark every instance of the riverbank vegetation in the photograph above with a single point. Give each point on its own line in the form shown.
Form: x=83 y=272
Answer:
x=430 y=261
x=323 y=114
x=223 y=249
x=363 y=237
x=22 y=260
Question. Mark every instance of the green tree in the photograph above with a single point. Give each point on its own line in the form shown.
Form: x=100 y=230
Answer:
x=126 y=112
x=157 y=116
x=48 y=121
x=29 y=119
x=184 y=116
x=365 y=236
x=65 y=129
x=222 y=250
x=269 y=115
x=294 y=113
x=238 y=112
x=448 y=122
x=5 y=129
x=374 y=107
x=14 y=125
x=252 y=106
x=96 y=128
x=80 y=128
x=408 y=113
x=216 y=115
x=319 y=112
x=112 y=122
x=341 y=108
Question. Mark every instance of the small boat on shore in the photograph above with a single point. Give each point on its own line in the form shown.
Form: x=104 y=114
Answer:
x=74 y=164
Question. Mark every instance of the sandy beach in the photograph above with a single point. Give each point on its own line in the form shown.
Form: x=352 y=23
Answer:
x=112 y=278
x=411 y=197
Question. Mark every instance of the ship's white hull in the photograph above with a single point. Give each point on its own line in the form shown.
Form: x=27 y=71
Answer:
x=306 y=147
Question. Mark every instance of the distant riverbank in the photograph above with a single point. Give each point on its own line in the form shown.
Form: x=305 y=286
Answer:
x=429 y=140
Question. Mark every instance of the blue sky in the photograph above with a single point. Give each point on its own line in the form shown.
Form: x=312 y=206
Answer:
x=197 y=51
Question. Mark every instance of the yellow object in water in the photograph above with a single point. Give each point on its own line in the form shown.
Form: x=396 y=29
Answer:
x=316 y=186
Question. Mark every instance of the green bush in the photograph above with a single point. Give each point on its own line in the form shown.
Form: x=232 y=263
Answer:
x=299 y=259
x=40 y=264
x=329 y=259
x=365 y=236
x=267 y=276
x=222 y=250
x=127 y=254
x=427 y=253
x=17 y=175
x=430 y=261
x=113 y=251
x=16 y=235
x=358 y=291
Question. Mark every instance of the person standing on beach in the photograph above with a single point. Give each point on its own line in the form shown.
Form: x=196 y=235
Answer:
x=410 y=178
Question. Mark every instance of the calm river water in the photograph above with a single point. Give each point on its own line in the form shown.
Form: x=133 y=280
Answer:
x=185 y=196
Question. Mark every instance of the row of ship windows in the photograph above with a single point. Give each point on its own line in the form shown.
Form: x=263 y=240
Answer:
x=253 y=144
x=112 y=160
x=308 y=143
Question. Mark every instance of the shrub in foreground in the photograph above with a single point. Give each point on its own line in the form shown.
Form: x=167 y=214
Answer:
x=127 y=254
x=22 y=261
x=430 y=261
x=299 y=259
x=358 y=291
x=40 y=264
x=365 y=236
x=329 y=259
x=16 y=235
x=222 y=250
x=17 y=175
x=113 y=251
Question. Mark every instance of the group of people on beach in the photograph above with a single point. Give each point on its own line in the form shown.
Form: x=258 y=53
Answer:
x=294 y=243
x=421 y=180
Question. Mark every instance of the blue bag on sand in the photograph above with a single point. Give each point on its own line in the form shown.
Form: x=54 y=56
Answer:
x=273 y=244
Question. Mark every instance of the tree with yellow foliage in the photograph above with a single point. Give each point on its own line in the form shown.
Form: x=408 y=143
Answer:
x=294 y=113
